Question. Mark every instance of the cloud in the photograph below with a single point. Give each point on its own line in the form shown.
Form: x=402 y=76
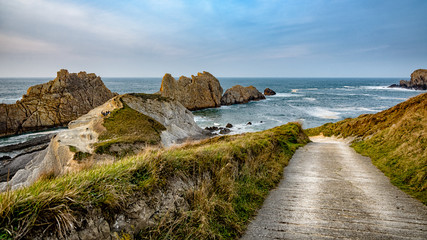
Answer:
x=16 y=44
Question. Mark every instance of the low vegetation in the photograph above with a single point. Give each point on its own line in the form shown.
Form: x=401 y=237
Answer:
x=125 y=127
x=395 y=140
x=230 y=176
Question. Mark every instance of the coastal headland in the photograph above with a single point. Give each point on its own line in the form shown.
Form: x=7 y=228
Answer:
x=138 y=166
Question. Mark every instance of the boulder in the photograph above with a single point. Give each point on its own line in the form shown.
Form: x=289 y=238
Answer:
x=418 y=81
x=229 y=125
x=239 y=94
x=55 y=103
x=198 y=92
x=269 y=92
x=88 y=139
x=225 y=131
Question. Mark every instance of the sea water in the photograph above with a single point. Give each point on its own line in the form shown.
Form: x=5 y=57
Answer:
x=310 y=101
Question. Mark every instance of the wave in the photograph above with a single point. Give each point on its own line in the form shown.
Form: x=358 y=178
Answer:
x=323 y=113
x=9 y=100
x=387 y=88
x=391 y=98
x=284 y=95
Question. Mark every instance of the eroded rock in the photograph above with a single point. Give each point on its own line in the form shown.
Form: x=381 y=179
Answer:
x=55 y=103
x=198 y=92
x=239 y=94
x=418 y=81
x=269 y=92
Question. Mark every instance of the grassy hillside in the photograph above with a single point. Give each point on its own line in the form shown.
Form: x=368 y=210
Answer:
x=395 y=140
x=230 y=177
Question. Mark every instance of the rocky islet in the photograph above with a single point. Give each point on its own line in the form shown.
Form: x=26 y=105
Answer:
x=418 y=81
x=53 y=104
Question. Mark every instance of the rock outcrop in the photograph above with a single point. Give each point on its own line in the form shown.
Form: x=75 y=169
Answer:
x=85 y=136
x=198 y=92
x=239 y=94
x=269 y=92
x=55 y=103
x=418 y=81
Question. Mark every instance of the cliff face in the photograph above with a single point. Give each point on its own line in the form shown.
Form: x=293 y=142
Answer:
x=239 y=94
x=418 y=81
x=55 y=103
x=197 y=92
x=138 y=120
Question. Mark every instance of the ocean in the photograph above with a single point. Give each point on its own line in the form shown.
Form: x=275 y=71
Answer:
x=311 y=101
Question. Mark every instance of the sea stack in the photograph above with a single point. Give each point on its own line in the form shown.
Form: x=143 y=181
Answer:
x=239 y=94
x=418 y=81
x=53 y=104
x=198 y=92
x=269 y=92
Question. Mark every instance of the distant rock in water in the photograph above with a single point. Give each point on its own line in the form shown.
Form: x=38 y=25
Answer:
x=239 y=94
x=134 y=122
x=54 y=103
x=418 y=81
x=269 y=92
x=198 y=92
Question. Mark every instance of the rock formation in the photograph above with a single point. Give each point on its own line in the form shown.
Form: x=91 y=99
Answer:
x=82 y=138
x=239 y=94
x=197 y=92
x=418 y=81
x=55 y=103
x=269 y=92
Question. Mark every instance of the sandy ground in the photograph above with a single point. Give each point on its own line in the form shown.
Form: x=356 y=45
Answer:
x=331 y=192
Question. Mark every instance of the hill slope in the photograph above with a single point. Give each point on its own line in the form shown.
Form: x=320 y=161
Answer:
x=395 y=139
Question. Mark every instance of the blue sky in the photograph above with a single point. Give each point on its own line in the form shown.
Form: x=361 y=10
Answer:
x=287 y=38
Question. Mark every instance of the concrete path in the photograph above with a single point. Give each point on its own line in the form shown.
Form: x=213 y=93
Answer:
x=331 y=192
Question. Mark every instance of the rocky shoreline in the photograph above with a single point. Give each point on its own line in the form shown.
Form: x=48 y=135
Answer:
x=168 y=114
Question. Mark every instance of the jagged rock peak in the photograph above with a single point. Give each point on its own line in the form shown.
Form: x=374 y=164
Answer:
x=198 y=92
x=239 y=94
x=54 y=103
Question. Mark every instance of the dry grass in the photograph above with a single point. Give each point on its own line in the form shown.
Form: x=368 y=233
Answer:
x=233 y=175
x=395 y=140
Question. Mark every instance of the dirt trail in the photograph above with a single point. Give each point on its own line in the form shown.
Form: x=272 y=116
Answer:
x=331 y=192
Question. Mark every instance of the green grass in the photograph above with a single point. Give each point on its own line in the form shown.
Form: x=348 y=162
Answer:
x=395 y=140
x=230 y=176
x=125 y=127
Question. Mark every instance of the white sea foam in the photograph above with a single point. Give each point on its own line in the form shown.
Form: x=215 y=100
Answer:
x=321 y=112
x=309 y=99
x=9 y=100
x=283 y=95
x=387 y=88
x=391 y=98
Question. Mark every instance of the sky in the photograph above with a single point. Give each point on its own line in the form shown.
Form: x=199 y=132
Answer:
x=246 y=38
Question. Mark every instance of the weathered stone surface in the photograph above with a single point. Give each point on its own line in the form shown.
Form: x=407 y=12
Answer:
x=418 y=81
x=197 y=92
x=239 y=94
x=269 y=92
x=55 y=103
x=82 y=135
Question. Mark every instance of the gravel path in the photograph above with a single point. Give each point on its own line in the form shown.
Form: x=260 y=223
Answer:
x=331 y=192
